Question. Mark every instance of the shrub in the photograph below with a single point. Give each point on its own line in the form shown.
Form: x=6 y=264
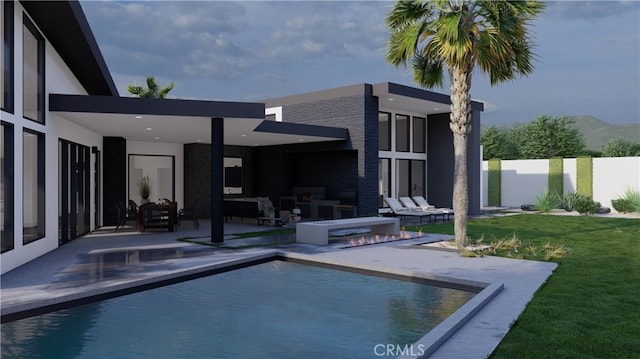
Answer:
x=586 y=205
x=629 y=202
x=622 y=205
x=568 y=201
x=547 y=201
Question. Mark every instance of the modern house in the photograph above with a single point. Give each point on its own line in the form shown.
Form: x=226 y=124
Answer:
x=71 y=146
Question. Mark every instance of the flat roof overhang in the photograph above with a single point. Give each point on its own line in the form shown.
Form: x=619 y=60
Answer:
x=66 y=28
x=415 y=100
x=185 y=121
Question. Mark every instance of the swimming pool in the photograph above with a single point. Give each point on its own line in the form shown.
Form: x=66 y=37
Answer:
x=277 y=309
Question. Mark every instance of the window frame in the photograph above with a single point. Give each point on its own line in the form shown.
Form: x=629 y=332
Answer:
x=40 y=64
x=41 y=187
x=8 y=58
x=8 y=187
x=403 y=140
x=388 y=131
x=419 y=134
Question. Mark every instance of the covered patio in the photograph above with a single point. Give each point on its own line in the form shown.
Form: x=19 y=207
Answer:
x=154 y=125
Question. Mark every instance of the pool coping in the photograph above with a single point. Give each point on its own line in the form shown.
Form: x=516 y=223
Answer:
x=472 y=333
x=427 y=344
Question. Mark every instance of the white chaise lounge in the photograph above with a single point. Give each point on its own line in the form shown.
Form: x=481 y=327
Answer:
x=424 y=204
x=401 y=211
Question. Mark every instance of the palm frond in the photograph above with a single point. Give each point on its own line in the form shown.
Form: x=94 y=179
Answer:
x=428 y=72
x=403 y=44
x=407 y=12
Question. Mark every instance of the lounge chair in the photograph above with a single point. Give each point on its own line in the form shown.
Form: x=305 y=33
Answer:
x=401 y=211
x=423 y=203
x=409 y=203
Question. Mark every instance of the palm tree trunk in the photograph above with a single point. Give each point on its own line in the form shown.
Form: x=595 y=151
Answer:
x=461 y=127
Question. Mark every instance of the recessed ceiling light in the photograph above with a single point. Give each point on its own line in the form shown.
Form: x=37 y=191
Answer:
x=390 y=99
x=300 y=140
x=255 y=144
x=198 y=140
x=243 y=135
x=157 y=138
x=435 y=109
x=138 y=116
x=148 y=128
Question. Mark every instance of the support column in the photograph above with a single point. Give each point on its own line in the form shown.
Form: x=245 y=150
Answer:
x=217 y=180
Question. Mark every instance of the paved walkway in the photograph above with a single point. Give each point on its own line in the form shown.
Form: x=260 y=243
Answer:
x=105 y=261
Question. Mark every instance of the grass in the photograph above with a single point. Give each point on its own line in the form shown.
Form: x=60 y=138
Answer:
x=590 y=306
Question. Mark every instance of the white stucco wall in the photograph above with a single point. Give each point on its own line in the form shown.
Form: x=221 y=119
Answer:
x=59 y=79
x=484 y=183
x=612 y=176
x=523 y=180
x=569 y=180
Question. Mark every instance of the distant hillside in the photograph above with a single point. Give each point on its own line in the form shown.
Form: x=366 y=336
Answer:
x=597 y=133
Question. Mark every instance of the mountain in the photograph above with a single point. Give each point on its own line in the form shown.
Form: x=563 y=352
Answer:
x=596 y=133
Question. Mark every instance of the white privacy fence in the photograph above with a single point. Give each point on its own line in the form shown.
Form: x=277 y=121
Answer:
x=521 y=181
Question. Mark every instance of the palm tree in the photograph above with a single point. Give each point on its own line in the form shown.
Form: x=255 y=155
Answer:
x=153 y=90
x=460 y=35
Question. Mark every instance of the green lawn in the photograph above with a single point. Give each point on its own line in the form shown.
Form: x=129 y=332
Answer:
x=590 y=307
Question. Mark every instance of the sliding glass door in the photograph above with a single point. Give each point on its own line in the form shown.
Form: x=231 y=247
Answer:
x=74 y=191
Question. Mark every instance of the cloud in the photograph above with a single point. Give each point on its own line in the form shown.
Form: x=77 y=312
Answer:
x=222 y=40
x=488 y=106
x=589 y=9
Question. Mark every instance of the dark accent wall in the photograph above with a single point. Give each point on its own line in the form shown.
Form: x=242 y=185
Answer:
x=279 y=168
x=114 y=167
x=197 y=169
x=359 y=114
x=474 y=164
x=440 y=162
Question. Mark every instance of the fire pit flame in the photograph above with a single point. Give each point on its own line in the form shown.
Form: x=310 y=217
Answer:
x=377 y=238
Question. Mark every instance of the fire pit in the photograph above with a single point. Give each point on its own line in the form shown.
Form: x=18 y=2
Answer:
x=369 y=239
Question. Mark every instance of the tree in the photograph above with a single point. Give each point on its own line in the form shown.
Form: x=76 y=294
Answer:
x=621 y=148
x=497 y=143
x=548 y=137
x=153 y=90
x=460 y=35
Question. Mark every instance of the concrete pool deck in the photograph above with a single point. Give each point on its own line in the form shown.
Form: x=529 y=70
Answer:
x=104 y=262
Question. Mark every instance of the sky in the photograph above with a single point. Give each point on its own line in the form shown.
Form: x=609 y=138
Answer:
x=587 y=53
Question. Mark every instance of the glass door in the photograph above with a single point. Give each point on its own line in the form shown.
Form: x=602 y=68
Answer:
x=74 y=191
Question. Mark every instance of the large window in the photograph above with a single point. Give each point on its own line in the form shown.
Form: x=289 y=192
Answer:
x=6 y=187
x=419 y=134
x=33 y=192
x=402 y=133
x=402 y=172
x=32 y=73
x=384 y=131
x=410 y=178
x=6 y=56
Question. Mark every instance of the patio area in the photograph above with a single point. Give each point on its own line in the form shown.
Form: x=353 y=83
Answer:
x=106 y=262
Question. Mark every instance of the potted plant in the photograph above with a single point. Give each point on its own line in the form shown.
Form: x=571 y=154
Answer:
x=144 y=189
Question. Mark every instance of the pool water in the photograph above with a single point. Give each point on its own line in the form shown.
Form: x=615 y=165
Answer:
x=277 y=309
